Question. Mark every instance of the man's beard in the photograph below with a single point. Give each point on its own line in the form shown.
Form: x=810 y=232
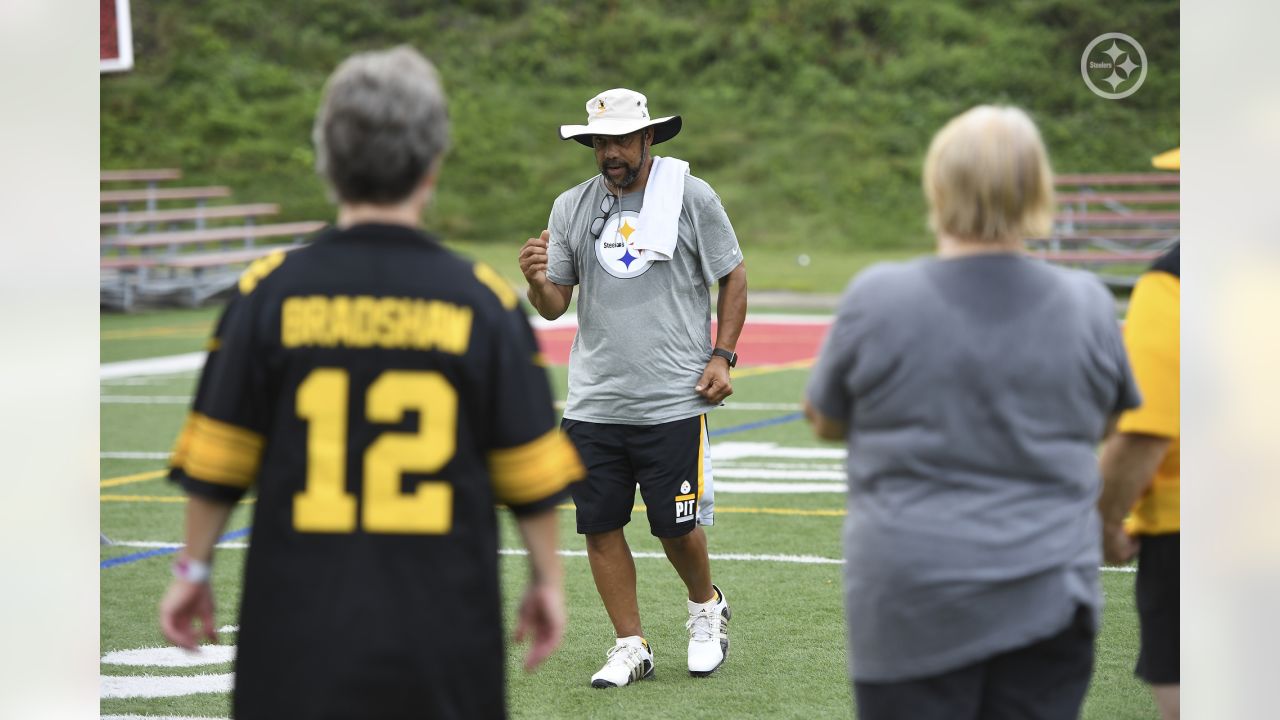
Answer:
x=632 y=172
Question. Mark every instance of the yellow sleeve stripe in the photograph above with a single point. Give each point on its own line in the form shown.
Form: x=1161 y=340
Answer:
x=258 y=270
x=499 y=286
x=218 y=452
x=533 y=471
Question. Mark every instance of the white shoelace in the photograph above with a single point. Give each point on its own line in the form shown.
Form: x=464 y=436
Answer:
x=625 y=655
x=700 y=624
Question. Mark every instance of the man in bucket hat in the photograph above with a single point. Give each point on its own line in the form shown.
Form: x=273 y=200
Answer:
x=645 y=241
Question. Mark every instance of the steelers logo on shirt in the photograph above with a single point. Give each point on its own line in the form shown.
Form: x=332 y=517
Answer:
x=616 y=251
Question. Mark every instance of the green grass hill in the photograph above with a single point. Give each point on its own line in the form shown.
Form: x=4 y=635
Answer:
x=809 y=117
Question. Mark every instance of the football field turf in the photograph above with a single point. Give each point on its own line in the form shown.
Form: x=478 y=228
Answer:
x=775 y=551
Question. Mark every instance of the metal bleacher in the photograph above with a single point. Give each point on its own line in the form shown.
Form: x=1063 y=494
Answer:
x=180 y=254
x=1115 y=224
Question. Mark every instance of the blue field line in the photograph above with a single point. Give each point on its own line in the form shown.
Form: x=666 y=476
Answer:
x=134 y=557
x=780 y=420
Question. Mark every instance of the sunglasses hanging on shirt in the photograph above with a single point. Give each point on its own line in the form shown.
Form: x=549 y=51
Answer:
x=606 y=209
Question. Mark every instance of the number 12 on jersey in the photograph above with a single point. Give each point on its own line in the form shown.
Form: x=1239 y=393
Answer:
x=325 y=506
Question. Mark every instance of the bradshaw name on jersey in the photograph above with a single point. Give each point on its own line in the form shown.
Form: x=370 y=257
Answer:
x=381 y=395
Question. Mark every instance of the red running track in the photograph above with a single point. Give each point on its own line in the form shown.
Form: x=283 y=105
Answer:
x=761 y=343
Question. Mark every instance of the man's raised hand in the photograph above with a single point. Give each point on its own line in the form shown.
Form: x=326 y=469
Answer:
x=533 y=258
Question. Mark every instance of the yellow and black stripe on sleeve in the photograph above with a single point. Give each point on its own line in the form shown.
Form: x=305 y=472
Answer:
x=215 y=459
x=533 y=477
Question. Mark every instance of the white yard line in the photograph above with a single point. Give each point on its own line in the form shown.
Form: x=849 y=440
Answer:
x=169 y=656
x=782 y=407
x=738 y=450
x=801 y=559
x=152 y=686
x=565 y=321
x=735 y=464
x=785 y=488
x=145 y=399
x=142 y=381
x=152 y=366
x=758 y=473
x=133 y=455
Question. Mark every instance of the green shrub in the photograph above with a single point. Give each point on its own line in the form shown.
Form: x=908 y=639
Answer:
x=809 y=117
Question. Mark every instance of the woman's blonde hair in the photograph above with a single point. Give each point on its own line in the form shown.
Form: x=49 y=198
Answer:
x=987 y=177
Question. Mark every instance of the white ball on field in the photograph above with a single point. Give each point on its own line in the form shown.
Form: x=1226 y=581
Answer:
x=802 y=260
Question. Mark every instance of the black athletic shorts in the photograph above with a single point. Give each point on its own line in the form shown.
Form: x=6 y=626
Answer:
x=1045 y=680
x=671 y=462
x=1158 y=609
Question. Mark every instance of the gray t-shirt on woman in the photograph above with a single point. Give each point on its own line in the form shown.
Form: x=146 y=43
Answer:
x=644 y=326
x=976 y=391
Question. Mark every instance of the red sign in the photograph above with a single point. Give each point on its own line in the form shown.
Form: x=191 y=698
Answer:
x=115 y=36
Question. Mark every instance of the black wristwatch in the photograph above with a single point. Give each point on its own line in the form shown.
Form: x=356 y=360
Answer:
x=729 y=355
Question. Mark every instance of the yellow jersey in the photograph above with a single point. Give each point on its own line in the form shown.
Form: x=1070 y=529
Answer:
x=1152 y=339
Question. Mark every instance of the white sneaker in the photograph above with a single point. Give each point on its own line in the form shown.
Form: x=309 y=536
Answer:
x=630 y=660
x=708 y=627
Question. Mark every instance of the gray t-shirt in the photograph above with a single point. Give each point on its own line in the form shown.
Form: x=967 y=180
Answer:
x=975 y=392
x=644 y=326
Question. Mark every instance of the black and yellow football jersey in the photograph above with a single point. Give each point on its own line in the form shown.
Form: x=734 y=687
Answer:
x=381 y=395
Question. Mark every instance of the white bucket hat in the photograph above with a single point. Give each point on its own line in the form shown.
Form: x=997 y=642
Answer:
x=618 y=112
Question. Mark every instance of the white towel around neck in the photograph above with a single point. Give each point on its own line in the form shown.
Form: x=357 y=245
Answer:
x=659 y=221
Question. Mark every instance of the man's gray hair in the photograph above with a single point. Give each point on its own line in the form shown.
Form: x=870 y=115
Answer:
x=382 y=124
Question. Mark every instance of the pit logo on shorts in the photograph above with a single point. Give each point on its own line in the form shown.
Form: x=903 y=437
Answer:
x=686 y=505
x=616 y=251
